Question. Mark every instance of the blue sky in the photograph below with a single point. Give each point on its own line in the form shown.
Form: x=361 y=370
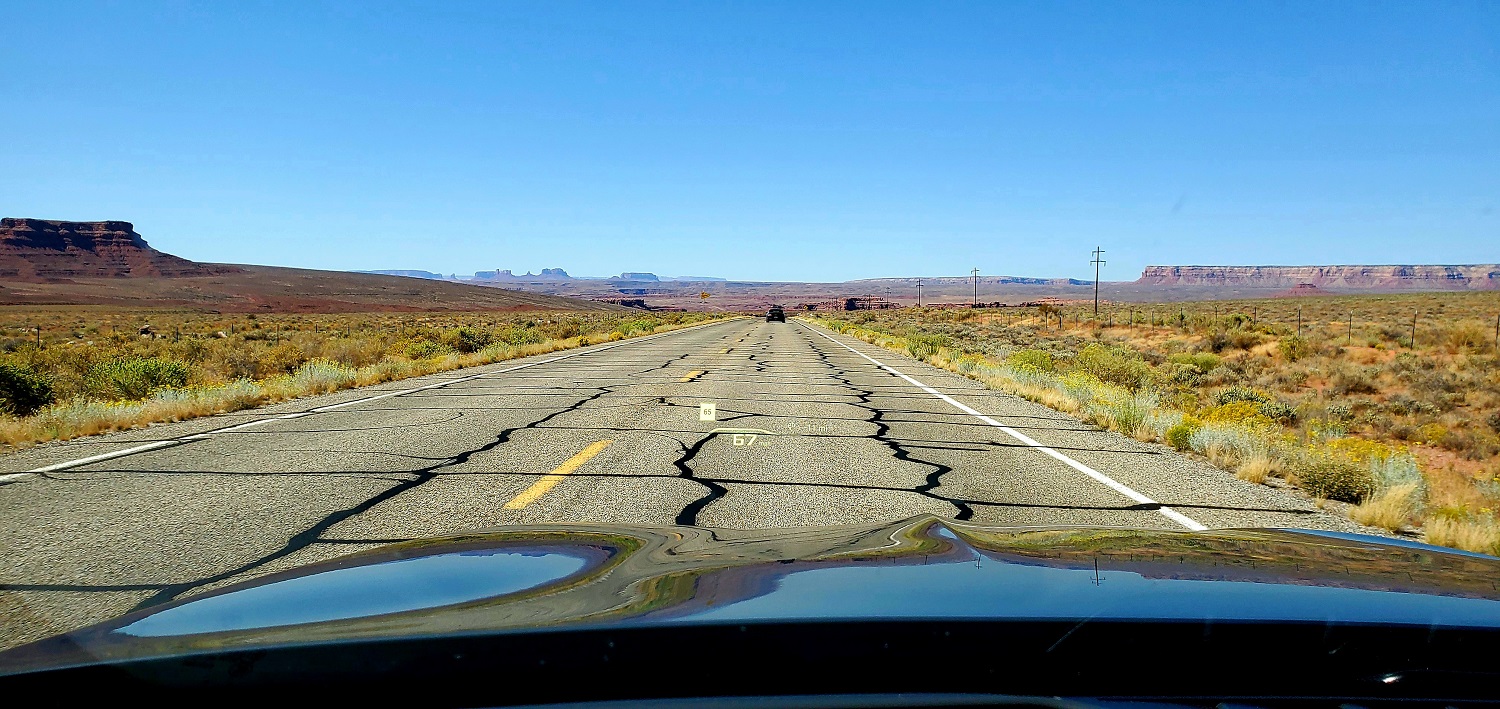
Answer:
x=786 y=141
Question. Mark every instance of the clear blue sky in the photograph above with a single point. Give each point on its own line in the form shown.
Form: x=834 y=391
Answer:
x=788 y=141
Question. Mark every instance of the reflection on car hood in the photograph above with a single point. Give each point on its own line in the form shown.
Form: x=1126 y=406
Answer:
x=520 y=579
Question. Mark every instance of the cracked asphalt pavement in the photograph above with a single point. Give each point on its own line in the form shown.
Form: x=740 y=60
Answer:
x=807 y=432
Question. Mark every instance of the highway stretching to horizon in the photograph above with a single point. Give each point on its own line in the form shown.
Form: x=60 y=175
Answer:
x=807 y=428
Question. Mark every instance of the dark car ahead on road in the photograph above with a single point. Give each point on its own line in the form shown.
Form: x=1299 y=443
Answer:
x=775 y=314
x=920 y=612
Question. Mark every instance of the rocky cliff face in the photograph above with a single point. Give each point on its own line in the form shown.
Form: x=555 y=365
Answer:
x=43 y=249
x=1334 y=278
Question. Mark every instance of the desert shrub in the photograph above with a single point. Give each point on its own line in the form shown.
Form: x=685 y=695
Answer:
x=425 y=349
x=497 y=351
x=1432 y=433
x=1237 y=412
x=1182 y=374
x=1466 y=337
x=134 y=378
x=1406 y=363
x=1241 y=339
x=1293 y=348
x=1220 y=375
x=352 y=352
x=560 y=330
x=628 y=328
x=23 y=390
x=1433 y=384
x=1180 y=436
x=1038 y=360
x=1401 y=404
x=1395 y=469
x=1115 y=365
x=1127 y=413
x=280 y=359
x=1334 y=477
x=528 y=336
x=924 y=346
x=1204 y=362
x=1161 y=419
x=1353 y=380
x=1081 y=387
x=1230 y=444
x=1288 y=378
x=322 y=375
x=1278 y=412
x=1238 y=393
x=1341 y=412
x=468 y=339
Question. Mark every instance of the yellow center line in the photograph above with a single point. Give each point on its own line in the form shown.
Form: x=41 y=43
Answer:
x=550 y=480
x=690 y=376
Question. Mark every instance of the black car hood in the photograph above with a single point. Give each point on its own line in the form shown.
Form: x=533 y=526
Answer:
x=557 y=577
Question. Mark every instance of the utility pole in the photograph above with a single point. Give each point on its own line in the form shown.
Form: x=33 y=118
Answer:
x=919 y=292
x=976 y=288
x=1098 y=252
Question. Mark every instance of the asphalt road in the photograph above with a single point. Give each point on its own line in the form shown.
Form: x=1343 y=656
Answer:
x=810 y=429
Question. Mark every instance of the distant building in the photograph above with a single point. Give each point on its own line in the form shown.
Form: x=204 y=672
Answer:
x=627 y=302
x=856 y=303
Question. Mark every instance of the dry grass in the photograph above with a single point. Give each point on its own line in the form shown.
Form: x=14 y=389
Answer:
x=1480 y=534
x=1254 y=470
x=1392 y=509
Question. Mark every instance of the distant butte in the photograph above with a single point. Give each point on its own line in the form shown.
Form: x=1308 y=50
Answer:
x=1346 y=278
x=547 y=274
x=47 y=250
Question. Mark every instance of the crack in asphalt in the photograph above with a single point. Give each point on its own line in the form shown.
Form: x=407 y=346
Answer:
x=689 y=513
x=311 y=534
x=898 y=449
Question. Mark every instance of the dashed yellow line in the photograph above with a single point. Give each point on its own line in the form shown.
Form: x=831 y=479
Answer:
x=550 y=480
x=690 y=376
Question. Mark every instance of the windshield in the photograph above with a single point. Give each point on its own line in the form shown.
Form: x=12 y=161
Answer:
x=279 y=284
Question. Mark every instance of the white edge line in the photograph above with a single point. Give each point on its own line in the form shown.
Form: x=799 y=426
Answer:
x=14 y=477
x=1113 y=484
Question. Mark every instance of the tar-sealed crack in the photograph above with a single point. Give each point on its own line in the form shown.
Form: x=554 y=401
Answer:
x=689 y=513
x=664 y=365
x=898 y=451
